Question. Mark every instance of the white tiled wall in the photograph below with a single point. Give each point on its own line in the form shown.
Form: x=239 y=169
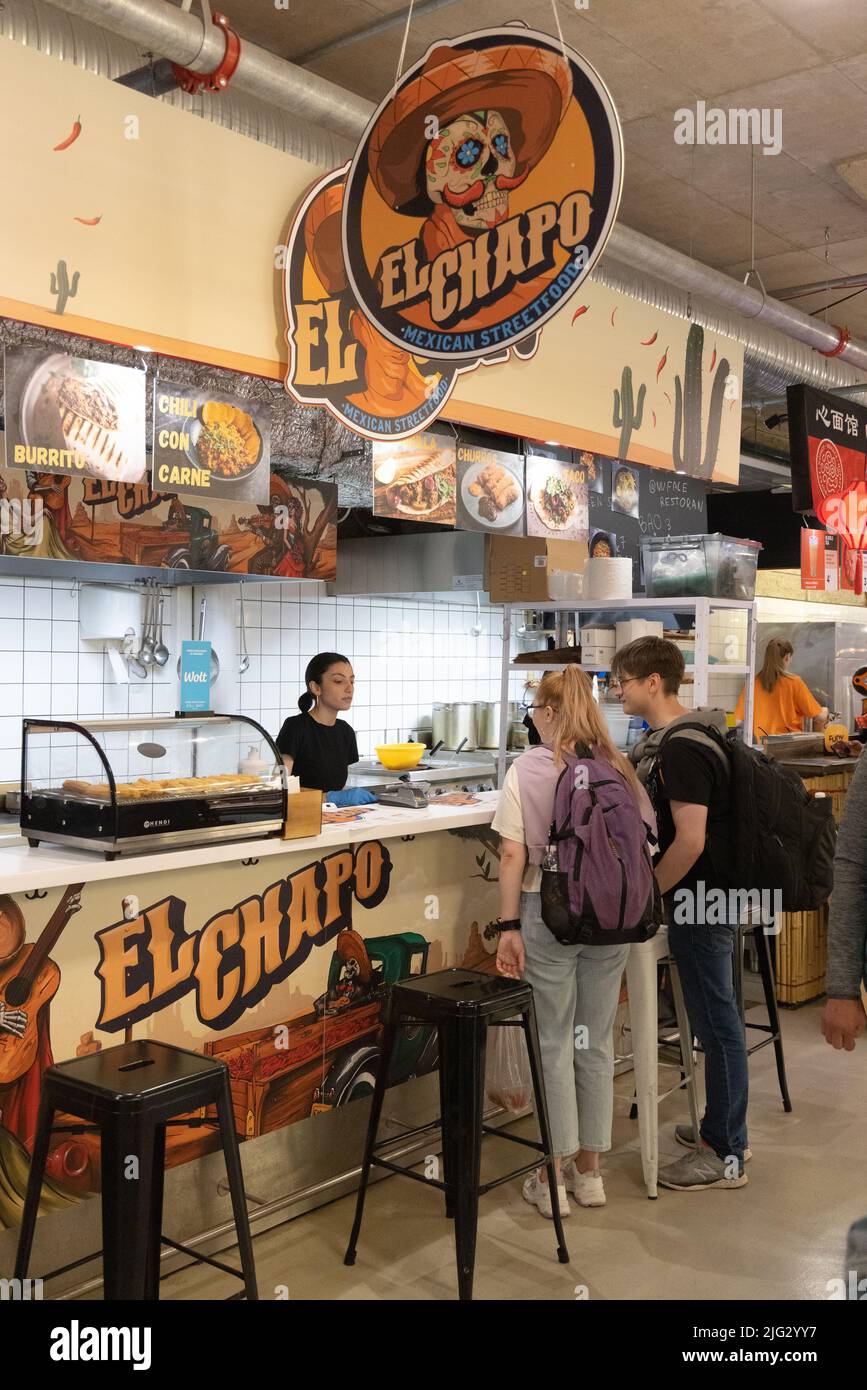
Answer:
x=406 y=655
x=46 y=668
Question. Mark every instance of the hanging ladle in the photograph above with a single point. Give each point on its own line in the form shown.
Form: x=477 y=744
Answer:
x=161 y=651
x=244 y=664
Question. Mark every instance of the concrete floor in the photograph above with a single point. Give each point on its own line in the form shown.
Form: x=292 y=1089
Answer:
x=780 y=1237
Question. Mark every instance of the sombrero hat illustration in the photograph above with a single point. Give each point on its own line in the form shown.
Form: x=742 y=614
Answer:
x=530 y=86
x=322 y=238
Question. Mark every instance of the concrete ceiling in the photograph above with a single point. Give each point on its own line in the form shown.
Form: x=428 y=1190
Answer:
x=807 y=58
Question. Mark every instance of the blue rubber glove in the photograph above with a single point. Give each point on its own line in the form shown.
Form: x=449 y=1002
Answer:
x=355 y=796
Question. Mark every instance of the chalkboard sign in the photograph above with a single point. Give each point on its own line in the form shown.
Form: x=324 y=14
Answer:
x=669 y=504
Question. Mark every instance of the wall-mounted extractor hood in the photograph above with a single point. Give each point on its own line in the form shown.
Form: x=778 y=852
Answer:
x=449 y=565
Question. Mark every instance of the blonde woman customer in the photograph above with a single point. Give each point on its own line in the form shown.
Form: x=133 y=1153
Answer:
x=575 y=986
x=781 y=700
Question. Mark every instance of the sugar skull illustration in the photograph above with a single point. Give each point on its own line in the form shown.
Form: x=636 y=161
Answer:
x=470 y=167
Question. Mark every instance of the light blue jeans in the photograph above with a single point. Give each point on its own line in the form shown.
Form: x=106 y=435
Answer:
x=575 y=987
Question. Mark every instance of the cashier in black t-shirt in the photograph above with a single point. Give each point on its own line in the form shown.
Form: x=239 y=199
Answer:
x=318 y=747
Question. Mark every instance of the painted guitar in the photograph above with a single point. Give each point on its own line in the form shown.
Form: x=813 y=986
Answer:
x=27 y=983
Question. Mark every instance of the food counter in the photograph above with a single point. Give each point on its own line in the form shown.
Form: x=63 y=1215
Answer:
x=271 y=954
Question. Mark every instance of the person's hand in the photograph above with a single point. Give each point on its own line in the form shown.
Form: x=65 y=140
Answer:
x=843 y=1021
x=351 y=796
x=510 y=955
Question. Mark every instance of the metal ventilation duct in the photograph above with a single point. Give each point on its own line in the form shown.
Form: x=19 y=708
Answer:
x=36 y=24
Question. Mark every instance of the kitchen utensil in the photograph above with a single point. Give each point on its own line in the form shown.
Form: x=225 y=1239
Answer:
x=413 y=796
x=132 y=662
x=476 y=629
x=400 y=757
x=161 y=651
x=436 y=748
x=244 y=664
x=460 y=745
x=146 y=650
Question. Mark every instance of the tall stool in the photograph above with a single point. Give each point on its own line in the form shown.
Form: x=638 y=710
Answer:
x=461 y=1005
x=130 y=1093
x=641 y=983
x=765 y=953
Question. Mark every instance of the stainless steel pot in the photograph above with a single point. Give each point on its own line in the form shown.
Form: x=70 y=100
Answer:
x=488 y=723
x=439 y=723
x=461 y=724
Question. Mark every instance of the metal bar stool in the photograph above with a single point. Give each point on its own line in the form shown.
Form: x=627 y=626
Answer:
x=764 y=944
x=130 y=1093
x=462 y=1005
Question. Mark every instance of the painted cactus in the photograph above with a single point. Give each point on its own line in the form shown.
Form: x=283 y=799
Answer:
x=627 y=414
x=686 y=445
x=62 y=286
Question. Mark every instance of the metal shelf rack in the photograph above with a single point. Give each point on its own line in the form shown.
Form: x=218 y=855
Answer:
x=702 y=668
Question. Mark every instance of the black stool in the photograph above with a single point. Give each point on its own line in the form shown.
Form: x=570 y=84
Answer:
x=462 y=1005
x=765 y=953
x=131 y=1093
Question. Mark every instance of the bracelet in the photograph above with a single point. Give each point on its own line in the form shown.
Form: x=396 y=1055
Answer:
x=513 y=924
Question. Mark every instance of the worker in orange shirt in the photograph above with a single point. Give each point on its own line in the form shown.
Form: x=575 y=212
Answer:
x=781 y=701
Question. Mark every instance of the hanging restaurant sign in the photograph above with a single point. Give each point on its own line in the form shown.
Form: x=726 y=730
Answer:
x=481 y=194
x=337 y=359
x=210 y=443
x=828 y=437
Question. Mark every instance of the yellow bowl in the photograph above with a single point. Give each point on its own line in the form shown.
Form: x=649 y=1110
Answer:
x=400 y=757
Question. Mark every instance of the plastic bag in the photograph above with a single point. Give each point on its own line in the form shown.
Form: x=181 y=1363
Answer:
x=507 y=1078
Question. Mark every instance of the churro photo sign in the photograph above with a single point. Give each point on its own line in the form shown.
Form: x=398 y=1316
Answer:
x=481 y=194
x=210 y=443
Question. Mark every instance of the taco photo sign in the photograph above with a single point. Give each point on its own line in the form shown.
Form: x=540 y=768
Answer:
x=481 y=194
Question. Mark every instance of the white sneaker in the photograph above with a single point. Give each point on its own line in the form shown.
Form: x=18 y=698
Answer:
x=587 y=1188
x=538 y=1194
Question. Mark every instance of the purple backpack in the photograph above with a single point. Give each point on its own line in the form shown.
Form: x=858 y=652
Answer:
x=598 y=884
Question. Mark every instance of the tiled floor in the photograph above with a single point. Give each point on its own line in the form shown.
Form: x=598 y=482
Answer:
x=780 y=1237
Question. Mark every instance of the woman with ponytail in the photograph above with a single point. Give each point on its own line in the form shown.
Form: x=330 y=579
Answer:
x=316 y=745
x=576 y=987
x=781 y=700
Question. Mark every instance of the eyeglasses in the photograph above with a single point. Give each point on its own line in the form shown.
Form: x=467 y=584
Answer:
x=527 y=708
x=615 y=684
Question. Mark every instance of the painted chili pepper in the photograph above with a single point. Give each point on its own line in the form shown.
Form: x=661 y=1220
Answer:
x=613 y=312
x=578 y=312
x=89 y=221
x=71 y=137
x=667 y=397
x=662 y=361
x=653 y=413
x=712 y=361
x=648 y=342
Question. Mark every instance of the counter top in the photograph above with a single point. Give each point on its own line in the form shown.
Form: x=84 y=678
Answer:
x=49 y=866
x=819 y=767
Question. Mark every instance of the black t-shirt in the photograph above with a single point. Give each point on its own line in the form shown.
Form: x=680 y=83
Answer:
x=691 y=771
x=320 y=753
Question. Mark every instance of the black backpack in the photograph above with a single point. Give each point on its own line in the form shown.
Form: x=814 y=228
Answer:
x=782 y=838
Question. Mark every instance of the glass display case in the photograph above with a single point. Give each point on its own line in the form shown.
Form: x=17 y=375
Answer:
x=137 y=784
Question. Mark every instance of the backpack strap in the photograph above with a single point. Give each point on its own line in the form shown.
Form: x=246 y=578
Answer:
x=709 y=735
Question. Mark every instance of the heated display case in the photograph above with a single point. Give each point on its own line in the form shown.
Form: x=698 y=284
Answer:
x=137 y=784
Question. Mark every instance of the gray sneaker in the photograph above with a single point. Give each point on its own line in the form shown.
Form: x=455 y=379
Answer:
x=685 y=1135
x=697 y=1169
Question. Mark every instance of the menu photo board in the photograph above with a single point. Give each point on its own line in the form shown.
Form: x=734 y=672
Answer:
x=74 y=416
x=416 y=479
x=210 y=443
x=490 y=490
x=557 y=490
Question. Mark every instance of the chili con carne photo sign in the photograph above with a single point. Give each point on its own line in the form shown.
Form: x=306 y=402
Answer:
x=481 y=194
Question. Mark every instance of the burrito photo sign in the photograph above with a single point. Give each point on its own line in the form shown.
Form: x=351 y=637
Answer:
x=481 y=195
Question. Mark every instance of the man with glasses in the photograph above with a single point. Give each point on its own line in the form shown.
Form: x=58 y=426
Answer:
x=687 y=774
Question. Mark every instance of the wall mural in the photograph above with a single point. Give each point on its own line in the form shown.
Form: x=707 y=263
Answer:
x=285 y=980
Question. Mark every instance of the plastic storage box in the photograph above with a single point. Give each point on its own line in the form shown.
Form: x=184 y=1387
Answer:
x=711 y=566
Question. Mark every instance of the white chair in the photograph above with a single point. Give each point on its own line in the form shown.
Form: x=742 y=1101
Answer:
x=641 y=982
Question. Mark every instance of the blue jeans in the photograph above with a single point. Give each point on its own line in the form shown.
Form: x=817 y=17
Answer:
x=704 y=956
x=574 y=987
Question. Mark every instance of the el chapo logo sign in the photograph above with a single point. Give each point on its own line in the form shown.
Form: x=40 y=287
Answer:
x=481 y=195
x=337 y=359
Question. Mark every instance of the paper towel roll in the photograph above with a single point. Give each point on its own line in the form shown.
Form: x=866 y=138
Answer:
x=608 y=577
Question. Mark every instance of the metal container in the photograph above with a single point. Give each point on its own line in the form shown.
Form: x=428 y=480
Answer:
x=461 y=724
x=488 y=723
x=439 y=723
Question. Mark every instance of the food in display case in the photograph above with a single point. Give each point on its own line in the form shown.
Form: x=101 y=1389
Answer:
x=102 y=784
